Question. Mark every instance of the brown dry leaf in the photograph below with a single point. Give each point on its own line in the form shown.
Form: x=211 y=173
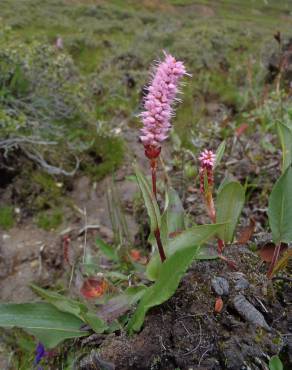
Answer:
x=266 y=253
x=247 y=232
x=135 y=254
x=218 y=305
x=93 y=288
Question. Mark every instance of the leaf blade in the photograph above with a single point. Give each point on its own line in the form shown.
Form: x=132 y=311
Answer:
x=285 y=136
x=149 y=200
x=229 y=204
x=43 y=320
x=280 y=208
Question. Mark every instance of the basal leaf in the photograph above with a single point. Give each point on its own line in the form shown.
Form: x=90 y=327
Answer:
x=73 y=307
x=285 y=135
x=280 y=208
x=193 y=237
x=174 y=212
x=165 y=286
x=229 y=204
x=43 y=320
x=149 y=200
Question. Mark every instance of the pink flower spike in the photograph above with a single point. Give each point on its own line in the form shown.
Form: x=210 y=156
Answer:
x=158 y=103
x=207 y=159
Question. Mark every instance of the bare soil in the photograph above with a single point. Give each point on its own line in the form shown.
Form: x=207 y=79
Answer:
x=186 y=332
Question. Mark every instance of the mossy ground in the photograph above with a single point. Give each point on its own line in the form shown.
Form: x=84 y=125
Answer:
x=7 y=217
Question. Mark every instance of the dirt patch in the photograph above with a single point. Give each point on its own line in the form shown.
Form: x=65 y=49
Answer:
x=185 y=332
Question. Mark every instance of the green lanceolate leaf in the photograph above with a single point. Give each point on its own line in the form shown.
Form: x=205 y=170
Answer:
x=165 y=286
x=275 y=363
x=73 y=307
x=193 y=237
x=229 y=204
x=109 y=251
x=285 y=135
x=172 y=220
x=280 y=208
x=149 y=200
x=174 y=212
x=219 y=153
x=42 y=320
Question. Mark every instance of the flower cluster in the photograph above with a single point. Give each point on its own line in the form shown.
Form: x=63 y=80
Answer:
x=207 y=161
x=158 y=104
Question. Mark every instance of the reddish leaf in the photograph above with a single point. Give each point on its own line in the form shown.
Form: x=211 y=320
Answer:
x=247 y=232
x=241 y=129
x=266 y=253
x=218 y=305
x=135 y=255
x=93 y=288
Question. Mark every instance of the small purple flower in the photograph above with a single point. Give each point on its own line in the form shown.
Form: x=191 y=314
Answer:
x=158 y=104
x=40 y=352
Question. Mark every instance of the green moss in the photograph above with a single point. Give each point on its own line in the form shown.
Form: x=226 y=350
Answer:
x=49 y=193
x=6 y=217
x=50 y=220
x=104 y=156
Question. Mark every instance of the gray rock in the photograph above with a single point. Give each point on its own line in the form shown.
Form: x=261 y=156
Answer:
x=241 y=283
x=249 y=312
x=220 y=286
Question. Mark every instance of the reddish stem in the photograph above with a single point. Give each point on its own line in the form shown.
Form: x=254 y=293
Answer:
x=153 y=163
x=212 y=214
x=159 y=245
x=220 y=243
x=274 y=260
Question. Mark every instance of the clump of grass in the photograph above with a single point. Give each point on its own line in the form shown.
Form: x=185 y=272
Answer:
x=49 y=192
x=50 y=220
x=6 y=217
x=104 y=156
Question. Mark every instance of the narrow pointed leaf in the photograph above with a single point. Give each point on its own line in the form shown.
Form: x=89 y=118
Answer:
x=42 y=320
x=220 y=152
x=172 y=270
x=229 y=204
x=285 y=135
x=149 y=200
x=174 y=212
x=280 y=208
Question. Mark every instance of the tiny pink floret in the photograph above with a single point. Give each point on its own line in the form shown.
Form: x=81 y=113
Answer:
x=207 y=159
x=158 y=102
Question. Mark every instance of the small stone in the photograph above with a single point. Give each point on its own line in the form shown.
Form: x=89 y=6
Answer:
x=241 y=283
x=5 y=236
x=249 y=312
x=220 y=286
